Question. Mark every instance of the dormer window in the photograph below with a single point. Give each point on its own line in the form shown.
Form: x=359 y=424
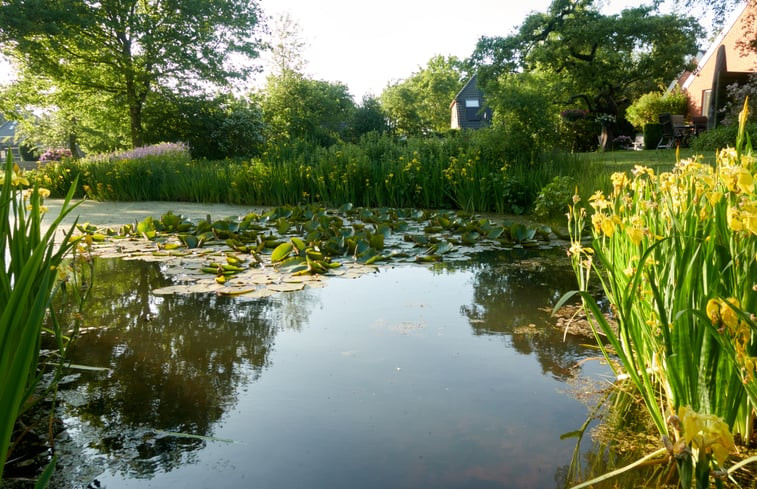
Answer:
x=471 y=103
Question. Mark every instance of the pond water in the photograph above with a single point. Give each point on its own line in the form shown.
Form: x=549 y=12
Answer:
x=450 y=376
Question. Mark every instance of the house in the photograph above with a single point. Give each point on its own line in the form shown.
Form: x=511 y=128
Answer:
x=729 y=60
x=468 y=109
x=9 y=140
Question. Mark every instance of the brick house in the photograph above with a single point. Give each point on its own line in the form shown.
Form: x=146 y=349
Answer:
x=729 y=60
x=468 y=109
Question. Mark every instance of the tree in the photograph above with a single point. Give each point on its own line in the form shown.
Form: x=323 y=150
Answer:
x=297 y=107
x=599 y=62
x=213 y=127
x=126 y=48
x=420 y=104
x=367 y=117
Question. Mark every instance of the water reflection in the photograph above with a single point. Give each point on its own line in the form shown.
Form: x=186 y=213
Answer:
x=513 y=296
x=176 y=363
x=383 y=381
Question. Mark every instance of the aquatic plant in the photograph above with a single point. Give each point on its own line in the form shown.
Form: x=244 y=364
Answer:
x=676 y=255
x=30 y=267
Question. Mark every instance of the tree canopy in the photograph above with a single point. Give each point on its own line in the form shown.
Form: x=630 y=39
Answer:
x=121 y=50
x=594 y=61
x=420 y=103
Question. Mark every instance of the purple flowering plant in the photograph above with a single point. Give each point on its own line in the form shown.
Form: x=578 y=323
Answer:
x=55 y=154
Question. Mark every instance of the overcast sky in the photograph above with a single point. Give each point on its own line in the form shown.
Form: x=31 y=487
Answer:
x=368 y=45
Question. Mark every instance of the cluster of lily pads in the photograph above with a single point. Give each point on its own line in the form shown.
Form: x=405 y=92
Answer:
x=290 y=247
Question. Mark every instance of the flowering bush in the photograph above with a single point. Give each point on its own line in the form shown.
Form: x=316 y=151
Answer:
x=160 y=149
x=55 y=154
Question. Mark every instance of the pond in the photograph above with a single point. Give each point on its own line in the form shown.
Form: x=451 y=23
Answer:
x=444 y=376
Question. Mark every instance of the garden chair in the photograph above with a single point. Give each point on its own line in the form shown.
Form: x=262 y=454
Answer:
x=668 y=132
x=699 y=123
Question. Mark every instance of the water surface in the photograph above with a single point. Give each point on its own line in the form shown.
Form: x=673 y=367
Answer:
x=412 y=377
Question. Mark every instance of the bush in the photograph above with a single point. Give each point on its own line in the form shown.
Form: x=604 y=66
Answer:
x=555 y=198
x=720 y=137
x=647 y=108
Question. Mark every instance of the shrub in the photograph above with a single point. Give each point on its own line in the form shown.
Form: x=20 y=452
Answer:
x=647 y=108
x=555 y=198
x=720 y=137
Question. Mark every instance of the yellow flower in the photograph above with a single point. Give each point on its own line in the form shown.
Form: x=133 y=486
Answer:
x=706 y=432
x=713 y=311
x=635 y=233
x=728 y=314
x=619 y=182
x=734 y=219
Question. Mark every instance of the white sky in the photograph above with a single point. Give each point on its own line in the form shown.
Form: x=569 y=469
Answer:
x=368 y=45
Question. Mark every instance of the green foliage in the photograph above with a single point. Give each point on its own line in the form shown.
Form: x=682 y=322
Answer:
x=555 y=198
x=604 y=61
x=420 y=104
x=122 y=51
x=675 y=255
x=297 y=107
x=460 y=170
x=523 y=110
x=720 y=137
x=29 y=261
x=647 y=108
x=219 y=127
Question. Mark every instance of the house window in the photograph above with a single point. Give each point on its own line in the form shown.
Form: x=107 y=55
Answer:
x=706 y=102
x=471 y=103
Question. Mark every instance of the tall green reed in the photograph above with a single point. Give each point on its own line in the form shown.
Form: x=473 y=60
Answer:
x=460 y=170
x=676 y=255
x=29 y=266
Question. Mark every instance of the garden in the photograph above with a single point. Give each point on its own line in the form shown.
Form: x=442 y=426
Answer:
x=554 y=299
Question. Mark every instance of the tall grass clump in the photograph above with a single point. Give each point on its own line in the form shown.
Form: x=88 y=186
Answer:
x=676 y=255
x=30 y=264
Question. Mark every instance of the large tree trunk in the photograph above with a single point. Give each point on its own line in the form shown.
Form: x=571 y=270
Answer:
x=605 y=138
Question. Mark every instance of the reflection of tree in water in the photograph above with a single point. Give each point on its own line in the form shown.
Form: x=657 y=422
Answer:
x=176 y=362
x=511 y=293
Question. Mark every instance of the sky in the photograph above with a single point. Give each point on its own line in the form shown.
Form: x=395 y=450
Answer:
x=368 y=45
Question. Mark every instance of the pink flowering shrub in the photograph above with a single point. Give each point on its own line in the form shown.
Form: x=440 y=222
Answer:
x=55 y=154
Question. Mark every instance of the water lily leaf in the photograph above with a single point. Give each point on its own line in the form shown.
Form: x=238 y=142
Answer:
x=444 y=247
x=237 y=290
x=146 y=228
x=286 y=287
x=377 y=241
x=281 y=252
x=495 y=232
x=283 y=226
x=298 y=243
x=189 y=240
x=173 y=289
x=470 y=237
x=520 y=232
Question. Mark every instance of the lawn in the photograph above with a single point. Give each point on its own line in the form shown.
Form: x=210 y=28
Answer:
x=655 y=158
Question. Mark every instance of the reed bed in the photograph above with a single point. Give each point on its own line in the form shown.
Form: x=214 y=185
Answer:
x=460 y=171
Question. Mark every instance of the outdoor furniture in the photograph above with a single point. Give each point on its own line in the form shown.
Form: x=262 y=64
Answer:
x=699 y=123
x=675 y=131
